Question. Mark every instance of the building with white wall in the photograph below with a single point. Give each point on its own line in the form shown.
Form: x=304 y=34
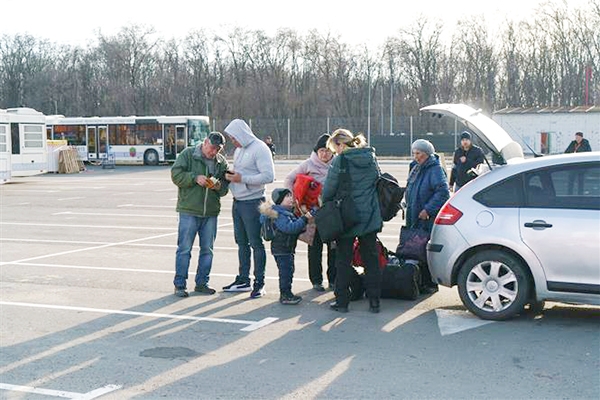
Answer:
x=550 y=130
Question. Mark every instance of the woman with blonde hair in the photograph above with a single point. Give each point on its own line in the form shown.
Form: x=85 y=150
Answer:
x=361 y=164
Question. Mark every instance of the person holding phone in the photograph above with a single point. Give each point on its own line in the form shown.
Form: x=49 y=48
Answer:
x=199 y=174
x=253 y=168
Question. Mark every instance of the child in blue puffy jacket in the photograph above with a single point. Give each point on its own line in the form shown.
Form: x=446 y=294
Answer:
x=283 y=246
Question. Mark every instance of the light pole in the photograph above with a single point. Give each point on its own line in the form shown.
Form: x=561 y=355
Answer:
x=369 y=109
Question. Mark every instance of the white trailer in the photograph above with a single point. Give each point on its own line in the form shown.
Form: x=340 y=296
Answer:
x=5 y=148
x=550 y=130
x=28 y=141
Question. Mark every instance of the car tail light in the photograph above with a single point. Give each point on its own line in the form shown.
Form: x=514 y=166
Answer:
x=448 y=215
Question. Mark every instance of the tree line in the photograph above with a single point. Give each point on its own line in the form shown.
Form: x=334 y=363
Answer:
x=551 y=60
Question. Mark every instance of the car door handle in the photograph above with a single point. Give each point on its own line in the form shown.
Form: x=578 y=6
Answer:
x=537 y=224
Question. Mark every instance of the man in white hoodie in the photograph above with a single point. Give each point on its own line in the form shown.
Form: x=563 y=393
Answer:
x=253 y=169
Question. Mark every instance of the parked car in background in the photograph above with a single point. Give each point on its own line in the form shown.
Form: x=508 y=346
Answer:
x=523 y=232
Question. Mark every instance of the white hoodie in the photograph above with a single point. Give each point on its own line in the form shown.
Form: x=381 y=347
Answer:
x=253 y=161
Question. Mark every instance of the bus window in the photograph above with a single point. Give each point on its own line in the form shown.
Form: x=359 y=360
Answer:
x=73 y=134
x=148 y=134
x=14 y=136
x=198 y=130
x=125 y=135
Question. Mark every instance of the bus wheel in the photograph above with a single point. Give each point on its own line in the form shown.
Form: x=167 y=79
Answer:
x=151 y=157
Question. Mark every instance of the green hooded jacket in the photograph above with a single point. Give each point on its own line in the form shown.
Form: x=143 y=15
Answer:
x=364 y=172
x=192 y=198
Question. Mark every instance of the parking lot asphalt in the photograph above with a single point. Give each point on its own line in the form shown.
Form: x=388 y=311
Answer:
x=87 y=311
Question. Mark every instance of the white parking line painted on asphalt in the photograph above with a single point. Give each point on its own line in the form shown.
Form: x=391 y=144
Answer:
x=91 y=248
x=117 y=215
x=155 y=271
x=145 y=228
x=259 y=324
x=166 y=190
x=154 y=206
x=144 y=206
x=250 y=325
x=61 y=393
x=454 y=321
x=71 y=198
x=32 y=191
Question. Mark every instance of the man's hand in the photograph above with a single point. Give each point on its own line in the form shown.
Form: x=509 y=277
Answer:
x=235 y=178
x=201 y=180
x=217 y=186
x=423 y=215
x=309 y=216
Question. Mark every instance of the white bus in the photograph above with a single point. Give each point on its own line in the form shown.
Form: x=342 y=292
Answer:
x=130 y=140
x=27 y=141
x=5 y=167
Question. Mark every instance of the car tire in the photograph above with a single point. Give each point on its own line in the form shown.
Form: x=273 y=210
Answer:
x=150 y=157
x=494 y=285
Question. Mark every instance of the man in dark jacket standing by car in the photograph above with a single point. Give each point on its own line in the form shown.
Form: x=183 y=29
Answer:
x=579 y=145
x=199 y=173
x=466 y=157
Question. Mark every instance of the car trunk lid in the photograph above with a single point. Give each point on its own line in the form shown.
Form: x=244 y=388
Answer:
x=496 y=139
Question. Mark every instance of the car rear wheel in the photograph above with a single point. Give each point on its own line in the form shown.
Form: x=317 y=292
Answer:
x=493 y=285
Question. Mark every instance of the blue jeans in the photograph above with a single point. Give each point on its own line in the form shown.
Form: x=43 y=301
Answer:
x=189 y=227
x=285 y=265
x=246 y=230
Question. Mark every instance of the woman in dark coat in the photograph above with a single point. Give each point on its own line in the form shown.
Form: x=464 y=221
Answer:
x=364 y=171
x=426 y=192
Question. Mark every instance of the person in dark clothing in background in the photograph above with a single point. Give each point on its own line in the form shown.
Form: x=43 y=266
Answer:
x=466 y=157
x=270 y=144
x=579 y=145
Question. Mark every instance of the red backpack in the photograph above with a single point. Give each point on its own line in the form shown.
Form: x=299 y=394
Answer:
x=307 y=191
x=382 y=254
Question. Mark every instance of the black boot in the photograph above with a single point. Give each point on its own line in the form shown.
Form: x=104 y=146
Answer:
x=338 y=307
x=374 y=305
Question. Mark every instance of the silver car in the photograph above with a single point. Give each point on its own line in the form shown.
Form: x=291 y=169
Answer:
x=525 y=231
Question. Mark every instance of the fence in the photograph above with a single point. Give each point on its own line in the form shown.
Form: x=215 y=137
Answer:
x=296 y=137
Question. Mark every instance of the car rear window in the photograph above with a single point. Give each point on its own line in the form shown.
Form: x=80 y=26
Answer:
x=506 y=193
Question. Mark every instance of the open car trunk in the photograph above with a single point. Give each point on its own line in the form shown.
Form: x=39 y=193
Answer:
x=496 y=139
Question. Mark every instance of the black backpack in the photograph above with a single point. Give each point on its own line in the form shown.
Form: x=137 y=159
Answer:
x=390 y=195
x=267 y=229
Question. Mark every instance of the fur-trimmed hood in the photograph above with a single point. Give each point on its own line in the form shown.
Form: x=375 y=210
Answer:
x=266 y=209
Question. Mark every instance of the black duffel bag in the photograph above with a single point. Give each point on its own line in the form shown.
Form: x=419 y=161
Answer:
x=329 y=221
x=400 y=280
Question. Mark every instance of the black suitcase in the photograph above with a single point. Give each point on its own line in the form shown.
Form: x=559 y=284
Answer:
x=400 y=280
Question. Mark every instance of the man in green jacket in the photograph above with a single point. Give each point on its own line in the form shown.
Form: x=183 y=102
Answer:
x=199 y=173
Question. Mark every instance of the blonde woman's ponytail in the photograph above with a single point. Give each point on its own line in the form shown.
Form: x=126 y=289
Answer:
x=344 y=136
